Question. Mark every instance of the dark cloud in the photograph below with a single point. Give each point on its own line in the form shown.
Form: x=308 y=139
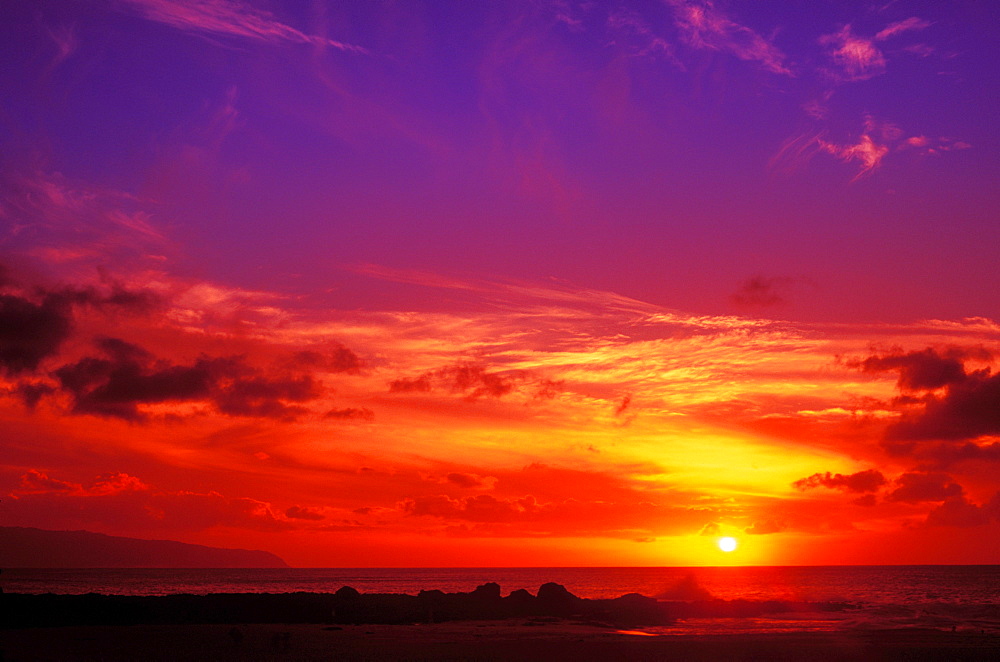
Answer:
x=761 y=292
x=337 y=359
x=764 y=527
x=31 y=392
x=919 y=487
x=470 y=481
x=481 y=508
x=30 y=332
x=863 y=481
x=923 y=370
x=116 y=385
x=958 y=511
x=421 y=384
x=352 y=413
x=472 y=380
x=942 y=400
x=128 y=376
x=304 y=512
x=33 y=325
x=265 y=397
x=945 y=455
x=967 y=409
x=118 y=295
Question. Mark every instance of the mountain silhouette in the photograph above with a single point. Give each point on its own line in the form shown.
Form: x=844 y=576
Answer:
x=23 y=547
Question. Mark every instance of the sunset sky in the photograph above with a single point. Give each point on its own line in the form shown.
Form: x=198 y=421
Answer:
x=554 y=283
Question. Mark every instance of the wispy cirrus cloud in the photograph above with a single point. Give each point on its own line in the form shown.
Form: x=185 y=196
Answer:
x=866 y=152
x=858 y=57
x=632 y=32
x=798 y=150
x=704 y=26
x=229 y=17
x=899 y=27
x=877 y=141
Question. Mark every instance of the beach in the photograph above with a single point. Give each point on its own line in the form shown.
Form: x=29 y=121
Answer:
x=548 y=625
x=510 y=639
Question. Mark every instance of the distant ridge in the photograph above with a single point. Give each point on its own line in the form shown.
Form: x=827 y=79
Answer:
x=23 y=547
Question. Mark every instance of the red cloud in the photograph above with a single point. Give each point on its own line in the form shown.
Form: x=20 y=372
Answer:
x=863 y=481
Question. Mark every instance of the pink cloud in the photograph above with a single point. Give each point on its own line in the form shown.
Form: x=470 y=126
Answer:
x=877 y=140
x=37 y=482
x=49 y=216
x=857 y=57
x=704 y=26
x=117 y=483
x=229 y=17
x=866 y=151
x=933 y=146
x=898 y=27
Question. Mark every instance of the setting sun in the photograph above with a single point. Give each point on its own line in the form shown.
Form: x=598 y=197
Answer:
x=727 y=544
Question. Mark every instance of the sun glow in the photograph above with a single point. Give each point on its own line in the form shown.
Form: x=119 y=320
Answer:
x=727 y=544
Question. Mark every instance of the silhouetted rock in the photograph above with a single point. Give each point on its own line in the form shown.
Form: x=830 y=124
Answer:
x=553 y=599
x=552 y=592
x=520 y=599
x=434 y=604
x=347 y=605
x=635 y=609
x=347 y=593
x=489 y=591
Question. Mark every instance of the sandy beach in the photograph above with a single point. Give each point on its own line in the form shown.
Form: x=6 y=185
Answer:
x=514 y=639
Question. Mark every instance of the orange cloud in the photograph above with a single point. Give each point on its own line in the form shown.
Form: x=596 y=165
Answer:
x=294 y=422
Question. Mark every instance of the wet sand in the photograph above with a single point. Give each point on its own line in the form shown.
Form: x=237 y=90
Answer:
x=546 y=640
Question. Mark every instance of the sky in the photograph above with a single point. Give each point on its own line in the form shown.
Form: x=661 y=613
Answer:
x=540 y=283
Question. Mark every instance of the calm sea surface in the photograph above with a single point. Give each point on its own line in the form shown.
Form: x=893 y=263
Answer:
x=858 y=584
x=943 y=597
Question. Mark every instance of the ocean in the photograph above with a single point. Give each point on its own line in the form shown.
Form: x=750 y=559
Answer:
x=940 y=597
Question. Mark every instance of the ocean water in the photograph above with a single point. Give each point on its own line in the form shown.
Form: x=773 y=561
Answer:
x=942 y=597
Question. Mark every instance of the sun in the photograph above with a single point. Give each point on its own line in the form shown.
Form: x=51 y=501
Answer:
x=727 y=544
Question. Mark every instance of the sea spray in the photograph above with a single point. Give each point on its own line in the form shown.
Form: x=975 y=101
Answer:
x=687 y=589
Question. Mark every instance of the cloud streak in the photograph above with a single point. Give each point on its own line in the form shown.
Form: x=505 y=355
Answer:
x=229 y=18
x=705 y=27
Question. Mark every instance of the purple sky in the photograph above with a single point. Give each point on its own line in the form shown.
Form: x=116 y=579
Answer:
x=842 y=153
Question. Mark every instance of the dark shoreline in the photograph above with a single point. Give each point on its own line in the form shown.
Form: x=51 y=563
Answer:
x=348 y=606
x=549 y=626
